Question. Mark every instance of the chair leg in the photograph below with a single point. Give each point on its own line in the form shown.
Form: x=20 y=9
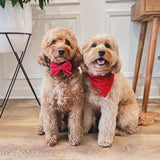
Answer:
x=139 y=54
x=151 y=56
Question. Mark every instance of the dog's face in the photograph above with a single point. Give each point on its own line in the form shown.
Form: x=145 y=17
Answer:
x=100 y=54
x=59 y=45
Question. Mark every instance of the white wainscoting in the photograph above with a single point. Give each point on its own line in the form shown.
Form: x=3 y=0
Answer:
x=118 y=24
x=83 y=18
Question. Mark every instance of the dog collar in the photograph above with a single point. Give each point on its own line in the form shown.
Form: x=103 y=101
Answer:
x=101 y=84
x=65 y=67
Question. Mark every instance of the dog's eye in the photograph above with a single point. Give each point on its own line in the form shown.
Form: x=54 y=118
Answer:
x=93 y=45
x=53 y=42
x=67 y=43
x=107 y=45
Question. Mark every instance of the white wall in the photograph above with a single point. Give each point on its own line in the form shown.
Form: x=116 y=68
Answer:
x=84 y=18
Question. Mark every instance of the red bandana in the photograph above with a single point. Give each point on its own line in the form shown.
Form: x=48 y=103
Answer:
x=65 y=67
x=101 y=84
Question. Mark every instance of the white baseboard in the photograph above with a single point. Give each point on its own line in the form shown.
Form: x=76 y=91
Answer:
x=21 y=93
x=154 y=93
x=26 y=93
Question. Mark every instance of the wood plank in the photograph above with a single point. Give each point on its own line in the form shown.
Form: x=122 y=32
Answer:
x=143 y=9
x=152 y=6
x=137 y=10
x=139 y=54
x=150 y=62
x=18 y=139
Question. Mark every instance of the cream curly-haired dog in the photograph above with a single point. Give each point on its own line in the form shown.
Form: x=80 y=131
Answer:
x=107 y=90
x=61 y=89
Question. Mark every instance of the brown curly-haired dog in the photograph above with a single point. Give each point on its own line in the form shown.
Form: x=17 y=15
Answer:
x=119 y=106
x=60 y=94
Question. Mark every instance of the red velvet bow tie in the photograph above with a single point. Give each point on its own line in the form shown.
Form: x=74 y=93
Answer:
x=101 y=84
x=65 y=67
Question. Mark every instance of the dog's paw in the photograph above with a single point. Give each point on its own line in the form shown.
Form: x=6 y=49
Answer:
x=40 y=130
x=85 y=131
x=74 y=139
x=104 y=143
x=120 y=132
x=51 y=141
x=130 y=130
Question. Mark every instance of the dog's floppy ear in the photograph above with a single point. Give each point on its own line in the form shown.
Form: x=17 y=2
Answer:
x=83 y=67
x=78 y=59
x=117 y=67
x=43 y=60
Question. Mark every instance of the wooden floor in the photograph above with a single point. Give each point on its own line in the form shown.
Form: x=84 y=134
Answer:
x=18 y=139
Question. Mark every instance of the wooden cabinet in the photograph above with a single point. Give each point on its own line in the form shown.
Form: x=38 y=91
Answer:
x=144 y=10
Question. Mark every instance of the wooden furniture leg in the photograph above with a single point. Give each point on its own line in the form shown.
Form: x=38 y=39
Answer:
x=151 y=56
x=139 y=54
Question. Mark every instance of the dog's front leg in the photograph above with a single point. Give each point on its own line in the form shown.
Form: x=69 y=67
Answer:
x=88 y=117
x=40 y=129
x=50 y=125
x=75 y=126
x=107 y=125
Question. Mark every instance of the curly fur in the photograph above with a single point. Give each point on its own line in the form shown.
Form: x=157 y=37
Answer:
x=60 y=95
x=119 y=107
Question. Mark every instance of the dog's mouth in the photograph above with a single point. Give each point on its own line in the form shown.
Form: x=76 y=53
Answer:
x=101 y=61
x=59 y=60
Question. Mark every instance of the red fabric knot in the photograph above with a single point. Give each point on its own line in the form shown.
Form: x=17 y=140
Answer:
x=101 y=84
x=65 y=67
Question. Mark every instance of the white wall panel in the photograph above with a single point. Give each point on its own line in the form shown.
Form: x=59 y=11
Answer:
x=118 y=24
x=42 y=22
x=83 y=17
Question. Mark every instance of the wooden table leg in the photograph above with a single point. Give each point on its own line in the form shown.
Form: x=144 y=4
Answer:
x=139 y=54
x=151 y=56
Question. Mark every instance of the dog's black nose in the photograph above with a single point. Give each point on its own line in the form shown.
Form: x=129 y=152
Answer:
x=61 y=52
x=101 y=53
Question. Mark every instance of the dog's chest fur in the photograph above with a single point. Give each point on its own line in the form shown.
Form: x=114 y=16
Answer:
x=93 y=97
x=96 y=99
x=62 y=91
